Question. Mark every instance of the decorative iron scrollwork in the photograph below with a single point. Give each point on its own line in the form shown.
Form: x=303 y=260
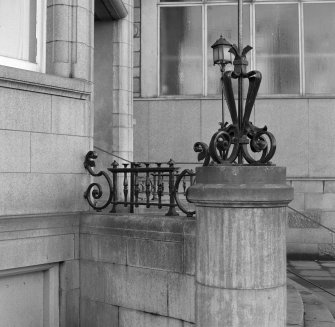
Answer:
x=94 y=191
x=241 y=137
x=181 y=201
x=202 y=148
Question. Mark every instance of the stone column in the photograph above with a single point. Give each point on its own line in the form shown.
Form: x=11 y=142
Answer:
x=241 y=246
x=122 y=141
x=69 y=50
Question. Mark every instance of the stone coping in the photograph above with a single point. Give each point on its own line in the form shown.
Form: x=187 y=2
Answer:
x=10 y=226
x=240 y=186
x=154 y=226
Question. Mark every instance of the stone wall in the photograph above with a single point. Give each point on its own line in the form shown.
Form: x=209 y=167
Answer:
x=46 y=119
x=305 y=238
x=40 y=245
x=45 y=133
x=137 y=271
x=303 y=129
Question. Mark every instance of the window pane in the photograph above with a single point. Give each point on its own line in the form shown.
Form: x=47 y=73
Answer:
x=180 y=51
x=277 y=48
x=223 y=20
x=18 y=29
x=319 y=27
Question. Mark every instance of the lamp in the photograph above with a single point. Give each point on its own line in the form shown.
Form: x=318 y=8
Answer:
x=221 y=49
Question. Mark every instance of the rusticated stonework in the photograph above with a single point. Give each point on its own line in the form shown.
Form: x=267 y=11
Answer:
x=295 y=220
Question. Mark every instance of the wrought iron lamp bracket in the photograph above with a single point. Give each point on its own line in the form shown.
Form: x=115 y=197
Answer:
x=234 y=140
x=240 y=61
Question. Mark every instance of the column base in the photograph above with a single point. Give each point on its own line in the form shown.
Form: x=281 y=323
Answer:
x=217 y=307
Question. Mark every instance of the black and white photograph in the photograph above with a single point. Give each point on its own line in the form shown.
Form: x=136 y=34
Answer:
x=167 y=163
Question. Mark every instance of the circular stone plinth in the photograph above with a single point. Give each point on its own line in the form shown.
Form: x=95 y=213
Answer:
x=240 y=186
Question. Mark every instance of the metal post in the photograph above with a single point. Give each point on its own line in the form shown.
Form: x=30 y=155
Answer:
x=240 y=78
x=154 y=187
x=222 y=98
x=132 y=188
x=137 y=184
x=114 y=173
x=125 y=186
x=147 y=185
x=172 y=208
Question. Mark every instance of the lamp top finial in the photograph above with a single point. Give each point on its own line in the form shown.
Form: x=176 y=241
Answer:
x=221 y=41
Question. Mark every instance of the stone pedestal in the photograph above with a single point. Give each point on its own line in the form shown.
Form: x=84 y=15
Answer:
x=241 y=249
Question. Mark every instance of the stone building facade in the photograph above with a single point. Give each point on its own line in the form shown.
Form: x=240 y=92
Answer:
x=72 y=90
x=46 y=131
x=47 y=127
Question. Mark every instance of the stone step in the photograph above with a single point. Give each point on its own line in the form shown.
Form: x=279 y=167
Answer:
x=316 y=313
x=320 y=273
x=295 y=307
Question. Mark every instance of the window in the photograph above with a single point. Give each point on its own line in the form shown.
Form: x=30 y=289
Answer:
x=22 y=34
x=319 y=47
x=292 y=49
x=180 y=51
x=277 y=47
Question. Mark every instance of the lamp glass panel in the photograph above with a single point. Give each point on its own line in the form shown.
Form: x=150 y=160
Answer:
x=222 y=19
x=218 y=53
x=18 y=29
x=319 y=41
x=277 y=48
x=227 y=54
x=221 y=52
x=181 y=67
x=215 y=54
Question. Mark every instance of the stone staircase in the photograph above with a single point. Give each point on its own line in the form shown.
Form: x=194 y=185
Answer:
x=305 y=309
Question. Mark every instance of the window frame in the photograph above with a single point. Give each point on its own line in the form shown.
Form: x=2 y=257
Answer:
x=39 y=66
x=151 y=68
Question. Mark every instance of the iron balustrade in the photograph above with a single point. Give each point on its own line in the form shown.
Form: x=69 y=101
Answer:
x=142 y=185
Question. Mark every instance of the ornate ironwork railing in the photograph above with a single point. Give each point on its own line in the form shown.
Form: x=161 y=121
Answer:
x=183 y=181
x=140 y=184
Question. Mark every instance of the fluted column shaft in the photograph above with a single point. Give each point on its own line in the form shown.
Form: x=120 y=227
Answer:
x=69 y=51
x=241 y=246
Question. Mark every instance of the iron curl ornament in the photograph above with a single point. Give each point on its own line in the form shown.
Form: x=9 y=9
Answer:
x=234 y=143
x=94 y=191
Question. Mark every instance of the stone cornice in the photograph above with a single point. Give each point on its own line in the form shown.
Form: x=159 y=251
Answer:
x=240 y=187
x=44 y=83
x=110 y=9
